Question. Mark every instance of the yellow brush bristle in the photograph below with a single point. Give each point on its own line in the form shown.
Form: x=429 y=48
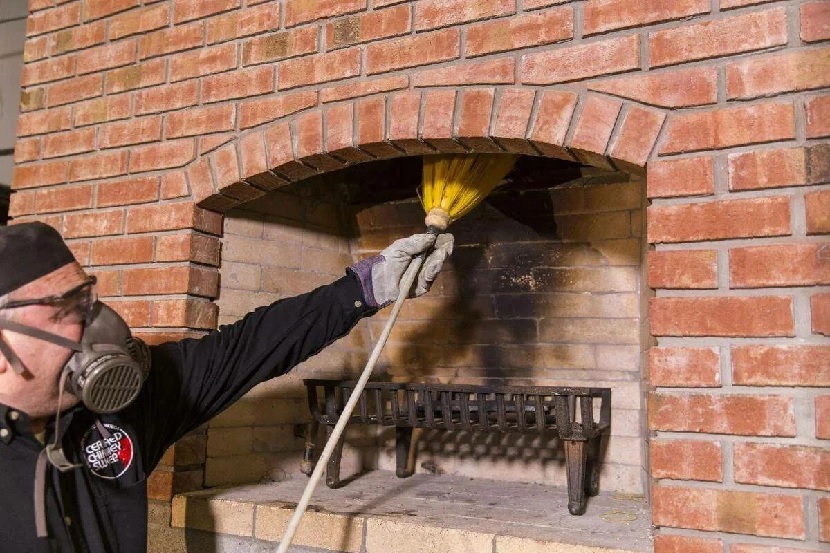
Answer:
x=455 y=184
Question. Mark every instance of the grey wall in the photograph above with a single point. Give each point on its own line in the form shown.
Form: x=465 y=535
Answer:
x=12 y=37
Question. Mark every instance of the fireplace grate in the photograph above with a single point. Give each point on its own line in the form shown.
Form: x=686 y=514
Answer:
x=568 y=412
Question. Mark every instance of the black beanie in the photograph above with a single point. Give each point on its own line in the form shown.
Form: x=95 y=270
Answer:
x=29 y=251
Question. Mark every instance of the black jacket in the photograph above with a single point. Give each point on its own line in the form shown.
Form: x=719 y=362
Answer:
x=102 y=506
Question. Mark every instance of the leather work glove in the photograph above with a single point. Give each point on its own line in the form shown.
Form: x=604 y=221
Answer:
x=380 y=275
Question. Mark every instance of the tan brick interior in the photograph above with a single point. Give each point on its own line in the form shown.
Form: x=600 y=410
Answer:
x=543 y=289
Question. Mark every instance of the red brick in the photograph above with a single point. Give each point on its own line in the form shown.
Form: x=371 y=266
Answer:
x=279 y=46
x=170 y=40
x=53 y=69
x=94 y=60
x=823 y=418
x=695 y=269
x=56 y=200
x=129 y=191
x=140 y=75
x=422 y=49
x=553 y=118
x=672 y=89
x=78 y=38
x=818 y=212
x=363 y=88
x=783 y=466
x=818 y=116
x=44 y=121
x=199 y=121
x=172 y=216
x=802 y=365
x=779 y=265
x=498 y=71
x=68 y=142
x=253 y=159
x=733 y=35
x=37 y=48
x=686 y=544
x=767 y=169
x=114 y=251
x=815 y=21
x=26 y=149
x=594 y=127
x=239 y=84
x=134 y=131
x=820 y=309
x=166 y=98
x=513 y=114
x=719 y=220
x=32 y=99
x=607 y=15
x=256 y=112
x=159 y=281
x=80 y=250
x=520 y=31
x=242 y=23
x=437 y=118
x=431 y=14
x=185 y=313
x=135 y=313
x=99 y=110
x=96 y=9
x=22 y=203
x=46 y=21
x=200 y=179
x=580 y=62
x=728 y=127
x=728 y=4
x=818 y=163
x=824 y=518
x=759 y=514
x=205 y=61
x=638 y=135
x=173 y=185
x=339 y=127
x=748 y=548
x=405 y=107
x=225 y=163
x=213 y=141
x=39 y=174
x=188 y=10
x=680 y=177
x=98 y=165
x=370 y=26
x=722 y=316
x=788 y=72
x=302 y=12
x=99 y=223
x=686 y=460
x=164 y=155
x=371 y=124
x=742 y=415
x=188 y=247
x=139 y=21
x=684 y=367
x=74 y=90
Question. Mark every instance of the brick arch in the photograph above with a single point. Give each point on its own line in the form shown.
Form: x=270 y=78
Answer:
x=592 y=128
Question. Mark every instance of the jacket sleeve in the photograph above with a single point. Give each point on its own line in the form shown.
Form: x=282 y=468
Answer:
x=193 y=380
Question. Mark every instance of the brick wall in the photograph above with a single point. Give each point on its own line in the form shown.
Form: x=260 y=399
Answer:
x=141 y=122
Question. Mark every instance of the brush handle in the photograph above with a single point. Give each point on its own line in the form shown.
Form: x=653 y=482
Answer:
x=406 y=284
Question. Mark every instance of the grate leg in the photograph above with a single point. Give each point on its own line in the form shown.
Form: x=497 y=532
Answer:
x=333 y=467
x=575 y=458
x=307 y=465
x=592 y=482
x=403 y=441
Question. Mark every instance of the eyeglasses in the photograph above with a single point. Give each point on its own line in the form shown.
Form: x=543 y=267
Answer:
x=74 y=306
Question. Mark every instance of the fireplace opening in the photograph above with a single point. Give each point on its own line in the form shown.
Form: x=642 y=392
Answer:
x=545 y=288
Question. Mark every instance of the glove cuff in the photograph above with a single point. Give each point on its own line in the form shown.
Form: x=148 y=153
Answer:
x=363 y=271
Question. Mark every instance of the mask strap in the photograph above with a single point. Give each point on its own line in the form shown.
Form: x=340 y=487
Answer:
x=40 y=334
x=12 y=358
x=53 y=453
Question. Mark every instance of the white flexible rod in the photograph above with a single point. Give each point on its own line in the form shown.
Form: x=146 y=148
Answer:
x=406 y=284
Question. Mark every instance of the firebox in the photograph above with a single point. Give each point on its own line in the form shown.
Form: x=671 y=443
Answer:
x=544 y=289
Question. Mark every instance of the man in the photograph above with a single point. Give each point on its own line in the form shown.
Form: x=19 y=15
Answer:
x=86 y=411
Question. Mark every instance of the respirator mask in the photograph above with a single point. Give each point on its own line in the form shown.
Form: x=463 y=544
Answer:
x=108 y=366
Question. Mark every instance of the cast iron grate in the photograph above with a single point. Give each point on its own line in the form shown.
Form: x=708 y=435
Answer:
x=568 y=412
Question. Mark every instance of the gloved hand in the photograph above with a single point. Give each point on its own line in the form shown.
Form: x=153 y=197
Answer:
x=380 y=275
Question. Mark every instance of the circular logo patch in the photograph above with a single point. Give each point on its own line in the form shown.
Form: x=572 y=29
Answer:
x=108 y=457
